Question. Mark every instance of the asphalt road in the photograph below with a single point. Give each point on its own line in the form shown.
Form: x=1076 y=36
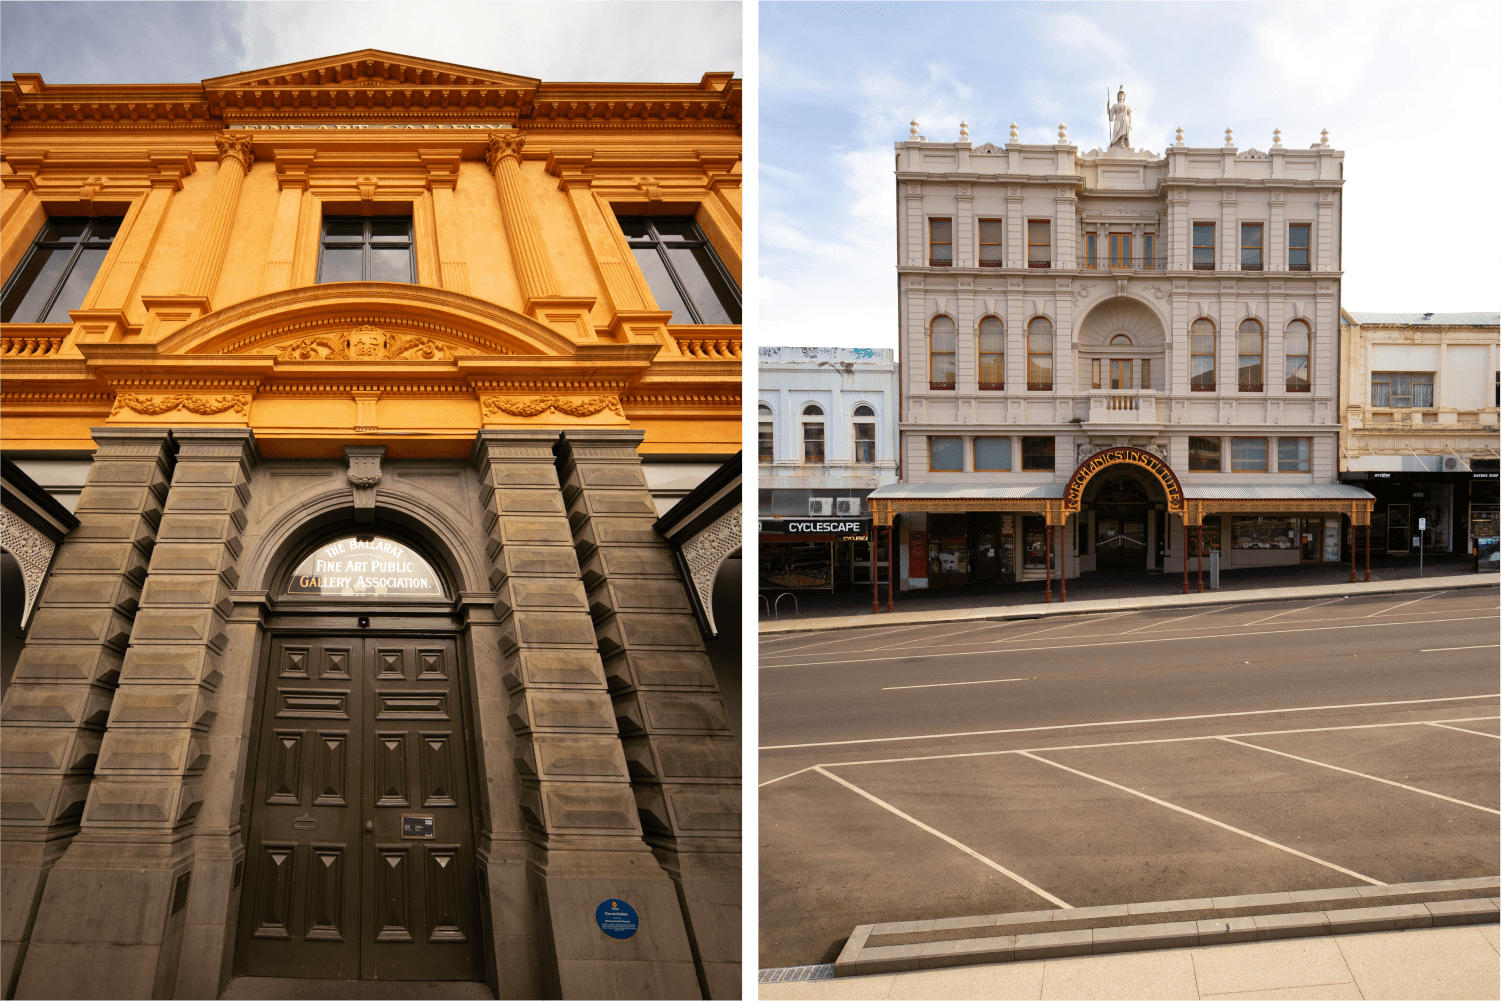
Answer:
x=951 y=770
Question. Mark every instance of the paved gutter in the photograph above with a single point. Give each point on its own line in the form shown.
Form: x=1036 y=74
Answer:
x=1036 y=610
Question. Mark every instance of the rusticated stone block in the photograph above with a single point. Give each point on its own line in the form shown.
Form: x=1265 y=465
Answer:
x=114 y=528
x=193 y=557
x=202 y=528
x=111 y=590
x=605 y=564
x=160 y=705
x=545 y=593
x=158 y=624
x=638 y=596
x=192 y=664
x=108 y=499
x=42 y=801
x=553 y=710
x=531 y=531
x=703 y=809
x=659 y=669
x=206 y=500
x=109 y=471
x=188 y=589
x=539 y=560
x=551 y=628
x=657 y=712
x=81 y=625
x=575 y=757
x=121 y=558
x=69 y=663
x=615 y=474
x=580 y=807
x=614 y=532
x=636 y=630
x=160 y=750
x=230 y=475
x=553 y=667
x=528 y=502
x=78 y=705
x=523 y=474
x=651 y=808
x=698 y=757
x=607 y=504
x=133 y=802
x=40 y=749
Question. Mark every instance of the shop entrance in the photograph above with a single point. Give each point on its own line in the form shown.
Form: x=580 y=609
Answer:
x=1398 y=538
x=360 y=836
x=1121 y=525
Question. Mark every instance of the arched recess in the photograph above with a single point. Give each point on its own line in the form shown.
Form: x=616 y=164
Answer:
x=1122 y=314
x=1125 y=331
x=1073 y=492
x=292 y=319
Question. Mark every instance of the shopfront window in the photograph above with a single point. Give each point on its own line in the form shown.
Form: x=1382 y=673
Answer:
x=1264 y=533
x=1211 y=529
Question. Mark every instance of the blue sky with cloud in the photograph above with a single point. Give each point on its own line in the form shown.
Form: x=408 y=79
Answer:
x=1408 y=91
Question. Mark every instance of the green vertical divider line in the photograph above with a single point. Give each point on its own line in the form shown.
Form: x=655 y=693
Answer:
x=749 y=706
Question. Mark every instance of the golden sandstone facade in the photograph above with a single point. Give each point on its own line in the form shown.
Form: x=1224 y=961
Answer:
x=446 y=312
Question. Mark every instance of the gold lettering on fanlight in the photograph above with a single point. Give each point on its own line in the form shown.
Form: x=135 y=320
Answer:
x=1073 y=494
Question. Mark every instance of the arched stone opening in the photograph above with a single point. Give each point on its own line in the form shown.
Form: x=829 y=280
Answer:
x=1122 y=345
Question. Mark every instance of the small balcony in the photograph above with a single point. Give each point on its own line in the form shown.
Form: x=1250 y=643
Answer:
x=1122 y=406
x=1101 y=263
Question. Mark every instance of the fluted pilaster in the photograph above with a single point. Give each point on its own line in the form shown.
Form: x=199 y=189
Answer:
x=523 y=231
x=235 y=159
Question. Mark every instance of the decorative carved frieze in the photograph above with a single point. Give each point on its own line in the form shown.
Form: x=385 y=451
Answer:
x=152 y=406
x=365 y=343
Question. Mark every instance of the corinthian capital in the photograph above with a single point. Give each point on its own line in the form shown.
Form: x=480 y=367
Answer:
x=235 y=148
x=502 y=145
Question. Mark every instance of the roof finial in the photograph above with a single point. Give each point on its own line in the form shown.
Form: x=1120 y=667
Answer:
x=1276 y=139
x=1229 y=136
x=1015 y=135
x=1062 y=134
x=964 y=132
x=1180 y=136
x=1324 y=138
x=912 y=136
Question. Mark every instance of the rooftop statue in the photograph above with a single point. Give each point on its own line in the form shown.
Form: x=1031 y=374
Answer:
x=1119 y=114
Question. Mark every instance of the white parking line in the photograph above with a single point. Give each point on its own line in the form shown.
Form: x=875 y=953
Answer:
x=1122 y=722
x=1463 y=729
x=1446 y=649
x=789 y=775
x=1207 y=611
x=947 y=636
x=1208 y=820
x=1159 y=740
x=1363 y=775
x=937 y=833
x=1302 y=609
x=1401 y=605
x=1158 y=639
x=842 y=639
x=952 y=684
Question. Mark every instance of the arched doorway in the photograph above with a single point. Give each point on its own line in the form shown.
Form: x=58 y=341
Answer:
x=360 y=832
x=1121 y=508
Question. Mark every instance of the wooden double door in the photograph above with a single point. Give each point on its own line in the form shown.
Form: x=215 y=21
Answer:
x=360 y=840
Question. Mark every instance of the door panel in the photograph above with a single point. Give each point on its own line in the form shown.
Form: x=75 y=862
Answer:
x=356 y=731
x=1398 y=538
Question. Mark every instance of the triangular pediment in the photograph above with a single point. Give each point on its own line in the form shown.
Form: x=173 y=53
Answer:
x=370 y=68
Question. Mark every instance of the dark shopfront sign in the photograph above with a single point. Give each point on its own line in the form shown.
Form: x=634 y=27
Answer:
x=813 y=526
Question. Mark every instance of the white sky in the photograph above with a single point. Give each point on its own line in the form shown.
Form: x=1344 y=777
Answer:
x=158 y=42
x=1408 y=91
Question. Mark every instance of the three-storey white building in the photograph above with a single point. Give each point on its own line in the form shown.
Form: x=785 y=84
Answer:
x=1104 y=353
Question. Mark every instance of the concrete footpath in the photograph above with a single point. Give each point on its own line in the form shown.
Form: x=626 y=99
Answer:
x=1033 y=610
x=1417 y=963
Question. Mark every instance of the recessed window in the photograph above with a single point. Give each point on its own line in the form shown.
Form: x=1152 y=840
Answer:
x=1295 y=343
x=1203 y=246
x=682 y=269
x=357 y=249
x=940 y=243
x=1248 y=344
x=1040 y=354
x=57 y=271
x=993 y=454
x=812 y=421
x=1037 y=455
x=1091 y=251
x=941 y=366
x=1201 y=356
x=1148 y=252
x=1039 y=243
x=865 y=436
x=1401 y=389
x=1094 y=373
x=992 y=354
x=946 y=454
x=1120 y=250
x=765 y=433
x=991 y=246
x=1250 y=246
x=1293 y=455
x=1248 y=455
x=1298 y=246
x=1204 y=455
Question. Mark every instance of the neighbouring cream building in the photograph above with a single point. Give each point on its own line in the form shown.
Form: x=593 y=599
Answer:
x=826 y=430
x=1105 y=353
x=1420 y=395
x=367 y=422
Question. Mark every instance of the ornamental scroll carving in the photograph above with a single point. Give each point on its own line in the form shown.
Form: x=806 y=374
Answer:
x=705 y=553
x=504 y=145
x=516 y=406
x=32 y=550
x=235 y=148
x=151 y=406
x=365 y=343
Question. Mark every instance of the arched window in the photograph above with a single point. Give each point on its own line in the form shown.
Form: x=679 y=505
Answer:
x=865 y=435
x=1201 y=356
x=765 y=434
x=1040 y=354
x=941 y=354
x=1248 y=346
x=813 y=433
x=1121 y=339
x=992 y=354
x=1296 y=344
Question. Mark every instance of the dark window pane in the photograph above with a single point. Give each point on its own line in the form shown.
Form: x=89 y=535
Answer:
x=68 y=230
x=676 y=230
x=765 y=442
x=1202 y=372
x=812 y=442
x=863 y=411
x=1422 y=390
x=34 y=285
x=991 y=230
x=394 y=229
x=662 y=288
x=1037 y=454
x=1204 y=454
x=1292 y=455
x=1298 y=237
x=76 y=285
x=389 y=264
x=344 y=230
x=342 y=264
x=105 y=228
x=635 y=227
x=708 y=289
x=1297 y=374
x=946 y=454
x=941 y=230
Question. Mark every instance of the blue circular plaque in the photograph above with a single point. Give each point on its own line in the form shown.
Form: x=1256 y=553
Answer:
x=616 y=918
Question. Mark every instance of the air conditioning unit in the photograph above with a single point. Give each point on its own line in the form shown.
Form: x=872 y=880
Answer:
x=820 y=507
x=847 y=506
x=1453 y=464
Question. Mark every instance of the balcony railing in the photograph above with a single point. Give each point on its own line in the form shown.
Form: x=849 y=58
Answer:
x=940 y=385
x=1039 y=387
x=1101 y=263
x=29 y=347
x=1123 y=406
